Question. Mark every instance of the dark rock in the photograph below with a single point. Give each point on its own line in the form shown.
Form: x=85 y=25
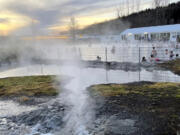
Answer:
x=116 y=126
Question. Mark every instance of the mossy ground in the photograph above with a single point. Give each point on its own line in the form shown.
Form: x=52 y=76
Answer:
x=28 y=86
x=173 y=65
x=151 y=90
x=157 y=104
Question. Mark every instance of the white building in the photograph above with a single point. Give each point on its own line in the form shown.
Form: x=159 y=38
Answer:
x=154 y=33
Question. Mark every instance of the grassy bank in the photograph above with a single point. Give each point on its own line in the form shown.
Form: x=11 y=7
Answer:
x=151 y=90
x=173 y=65
x=156 y=104
x=30 y=86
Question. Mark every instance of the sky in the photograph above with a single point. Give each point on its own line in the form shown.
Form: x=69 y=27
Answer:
x=53 y=16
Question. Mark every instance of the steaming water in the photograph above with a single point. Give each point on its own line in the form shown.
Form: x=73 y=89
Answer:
x=94 y=75
x=79 y=116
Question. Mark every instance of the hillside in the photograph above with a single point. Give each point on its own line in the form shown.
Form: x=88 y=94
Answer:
x=149 y=17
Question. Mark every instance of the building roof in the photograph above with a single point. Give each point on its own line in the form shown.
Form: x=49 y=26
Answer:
x=153 y=29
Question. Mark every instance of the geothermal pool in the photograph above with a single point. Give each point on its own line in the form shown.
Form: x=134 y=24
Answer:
x=83 y=78
x=94 y=75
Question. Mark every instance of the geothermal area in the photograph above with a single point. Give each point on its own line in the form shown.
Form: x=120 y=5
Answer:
x=57 y=88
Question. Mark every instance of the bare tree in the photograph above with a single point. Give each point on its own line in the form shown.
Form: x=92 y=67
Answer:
x=138 y=5
x=157 y=3
x=160 y=3
x=120 y=10
x=165 y=2
x=132 y=5
x=128 y=7
x=73 y=28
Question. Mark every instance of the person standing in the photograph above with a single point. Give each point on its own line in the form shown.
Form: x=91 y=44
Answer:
x=154 y=52
x=171 y=55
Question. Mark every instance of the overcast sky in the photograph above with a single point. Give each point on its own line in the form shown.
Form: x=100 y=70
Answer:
x=54 y=15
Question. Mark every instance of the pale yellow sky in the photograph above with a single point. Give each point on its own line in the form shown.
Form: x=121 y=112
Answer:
x=85 y=20
x=10 y=21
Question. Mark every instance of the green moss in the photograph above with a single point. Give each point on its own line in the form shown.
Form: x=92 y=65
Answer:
x=28 y=86
x=153 y=90
x=109 y=90
x=158 y=101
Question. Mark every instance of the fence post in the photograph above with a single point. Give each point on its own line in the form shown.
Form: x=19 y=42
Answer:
x=80 y=55
x=106 y=65
x=139 y=64
x=42 y=73
x=106 y=54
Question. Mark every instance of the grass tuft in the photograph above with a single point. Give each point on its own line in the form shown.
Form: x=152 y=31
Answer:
x=28 y=86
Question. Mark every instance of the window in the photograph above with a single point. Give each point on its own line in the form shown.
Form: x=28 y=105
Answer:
x=154 y=36
x=174 y=35
x=137 y=37
x=164 y=36
x=146 y=36
x=178 y=38
x=123 y=37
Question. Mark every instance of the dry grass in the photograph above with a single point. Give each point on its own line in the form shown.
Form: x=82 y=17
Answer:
x=27 y=86
x=155 y=90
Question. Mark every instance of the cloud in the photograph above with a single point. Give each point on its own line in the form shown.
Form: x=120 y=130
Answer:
x=10 y=21
x=56 y=13
x=4 y=20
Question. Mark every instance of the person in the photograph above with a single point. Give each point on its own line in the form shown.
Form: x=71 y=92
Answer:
x=166 y=55
x=152 y=58
x=154 y=52
x=171 y=55
x=113 y=50
x=177 y=46
x=166 y=51
x=177 y=56
x=144 y=59
x=98 y=58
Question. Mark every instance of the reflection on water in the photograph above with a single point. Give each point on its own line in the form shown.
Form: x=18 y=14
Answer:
x=87 y=77
x=95 y=75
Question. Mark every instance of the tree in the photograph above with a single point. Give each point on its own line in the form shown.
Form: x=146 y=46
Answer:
x=128 y=7
x=160 y=3
x=157 y=4
x=120 y=10
x=138 y=4
x=73 y=28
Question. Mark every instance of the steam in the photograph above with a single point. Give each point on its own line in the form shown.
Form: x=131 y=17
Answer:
x=80 y=114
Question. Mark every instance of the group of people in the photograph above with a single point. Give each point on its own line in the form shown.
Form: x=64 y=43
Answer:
x=167 y=55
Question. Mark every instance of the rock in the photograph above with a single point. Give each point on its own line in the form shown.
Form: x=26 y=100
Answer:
x=116 y=126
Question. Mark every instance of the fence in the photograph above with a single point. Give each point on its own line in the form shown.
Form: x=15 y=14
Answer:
x=127 y=54
x=118 y=54
x=136 y=55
